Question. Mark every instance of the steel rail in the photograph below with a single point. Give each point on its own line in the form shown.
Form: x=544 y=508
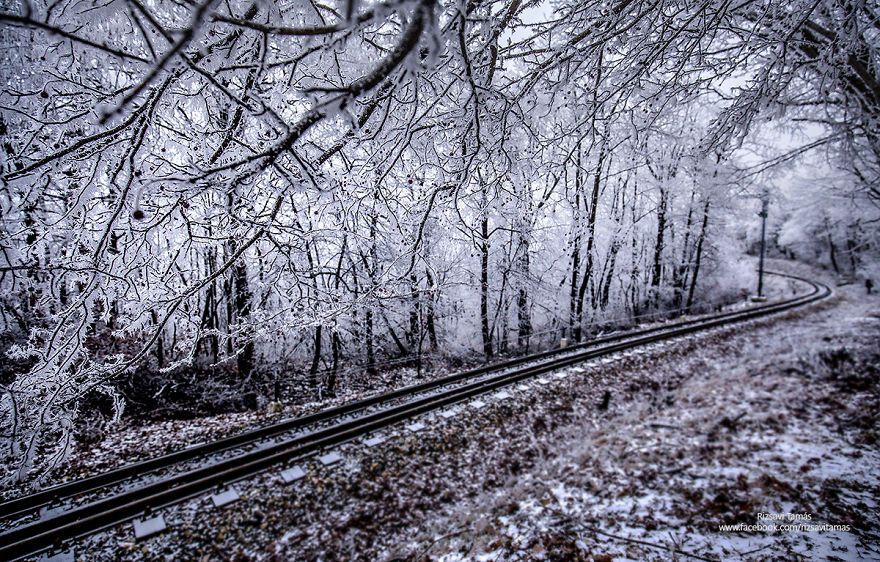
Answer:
x=79 y=521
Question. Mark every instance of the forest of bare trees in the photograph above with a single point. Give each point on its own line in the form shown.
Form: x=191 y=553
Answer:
x=263 y=196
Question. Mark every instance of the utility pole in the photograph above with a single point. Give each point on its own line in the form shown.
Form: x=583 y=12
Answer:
x=763 y=215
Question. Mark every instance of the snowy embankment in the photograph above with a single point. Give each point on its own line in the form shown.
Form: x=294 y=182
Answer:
x=775 y=417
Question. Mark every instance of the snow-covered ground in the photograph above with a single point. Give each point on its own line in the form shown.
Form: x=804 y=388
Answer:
x=780 y=421
x=775 y=417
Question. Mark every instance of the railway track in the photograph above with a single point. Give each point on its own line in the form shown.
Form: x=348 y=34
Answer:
x=54 y=516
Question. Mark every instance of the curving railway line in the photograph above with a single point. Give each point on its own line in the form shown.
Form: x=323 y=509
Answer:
x=53 y=517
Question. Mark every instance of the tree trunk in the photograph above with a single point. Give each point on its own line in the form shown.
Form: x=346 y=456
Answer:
x=429 y=312
x=245 y=358
x=335 y=340
x=414 y=312
x=698 y=256
x=575 y=249
x=484 y=280
x=657 y=269
x=852 y=248
x=368 y=336
x=524 y=331
x=371 y=272
x=160 y=344
x=609 y=275
x=680 y=274
x=336 y=347
x=316 y=358
x=832 y=251
x=591 y=238
x=316 y=346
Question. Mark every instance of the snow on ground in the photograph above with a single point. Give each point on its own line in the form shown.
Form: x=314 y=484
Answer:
x=775 y=417
x=779 y=421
